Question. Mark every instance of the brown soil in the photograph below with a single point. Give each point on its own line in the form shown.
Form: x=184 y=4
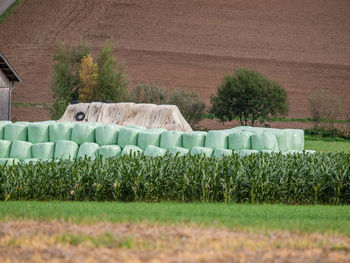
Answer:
x=106 y=242
x=304 y=45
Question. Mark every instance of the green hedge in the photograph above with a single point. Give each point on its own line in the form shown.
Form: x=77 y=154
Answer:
x=275 y=178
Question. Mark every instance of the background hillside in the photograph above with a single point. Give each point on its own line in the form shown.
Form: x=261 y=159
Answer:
x=304 y=45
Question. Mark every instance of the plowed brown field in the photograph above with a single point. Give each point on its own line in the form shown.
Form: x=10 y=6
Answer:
x=304 y=45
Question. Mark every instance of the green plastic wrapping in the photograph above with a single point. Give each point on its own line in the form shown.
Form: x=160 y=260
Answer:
x=216 y=139
x=222 y=152
x=198 y=150
x=60 y=131
x=88 y=149
x=284 y=138
x=107 y=151
x=310 y=151
x=16 y=132
x=66 y=149
x=30 y=160
x=270 y=151
x=264 y=141
x=239 y=140
x=253 y=129
x=297 y=139
x=38 y=132
x=21 y=150
x=154 y=151
x=246 y=152
x=131 y=149
x=193 y=139
x=127 y=136
x=2 y=128
x=5 y=147
x=136 y=127
x=83 y=133
x=8 y=161
x=148 y=137
x=169 y=139
x=178 y=150
x=43 y=151
x=107 y=134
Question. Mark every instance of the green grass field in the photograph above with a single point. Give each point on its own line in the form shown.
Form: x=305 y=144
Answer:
x=244 y=216
x=327 y=146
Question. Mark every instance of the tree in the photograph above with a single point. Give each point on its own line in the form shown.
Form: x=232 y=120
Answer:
x=88 y=75
x=249 y=96
x=324 y=107
x=144 y=93
x=112 y=81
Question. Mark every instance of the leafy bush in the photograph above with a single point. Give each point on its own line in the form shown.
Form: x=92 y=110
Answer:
x=150 y=94
x=328 y=133
x=88 y=74
x=291 y=179
x=249 y=96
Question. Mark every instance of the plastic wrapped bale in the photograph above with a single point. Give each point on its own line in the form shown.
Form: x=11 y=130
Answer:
x=157 y=130
x=270 y=151
x=169 y=139
x=107 y=151
x=284 y=138
x=5 y=147
x=222 y=152
x=88 y=149
x=8 y=161
x=148 y=137
x=83 y=133
x=60 y=131
x=264 y=141
x=66 y=149
x=30 y=160
x=216 y=139
x=247 y=152
x=239 y=140
x=193 y=139
x=38 y=132
x=16 y=132
x=154 y=151
x=107 y=134
x=131 y=150
x=21 y=150
x=136 y=127
x=2 y=128
x=43 y=151
x=127 y=136
x=205 y=151
x=254 y=129
x=297 y=139
x=179 y=151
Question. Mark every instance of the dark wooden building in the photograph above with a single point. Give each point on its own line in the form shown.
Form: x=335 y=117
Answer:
x=8 y=77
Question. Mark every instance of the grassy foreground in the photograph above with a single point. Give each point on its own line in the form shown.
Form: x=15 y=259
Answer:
x=333 y=219
x=327 y=146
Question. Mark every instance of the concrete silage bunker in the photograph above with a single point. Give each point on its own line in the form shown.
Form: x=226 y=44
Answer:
x=150 y=116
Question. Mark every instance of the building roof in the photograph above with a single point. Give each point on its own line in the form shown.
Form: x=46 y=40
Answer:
x=8 y=70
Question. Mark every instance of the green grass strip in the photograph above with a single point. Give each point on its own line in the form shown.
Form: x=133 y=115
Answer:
x=330 y=219
x=327 y=146
x=9 y=10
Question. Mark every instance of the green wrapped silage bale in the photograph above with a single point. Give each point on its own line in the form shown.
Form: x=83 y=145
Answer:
x=21 y=150
x=239 y=140
x=216 y=139
x=2 y=128
x=148 y=137
x=192 y=139
x=297 y=139
x=127 y=136
x=136 y=127
x=107 y=151
x=169 y=139
x=24 y=123
x=43 y=151
x=264 y=141
x=30 y=160
x=16 y=132
x=5 y=147
x=270 y=151
x=179 y=151
x=107 y=134
x=154 y=151
x=88 y=149
x=284 y=138
x=246 y=152
x=131 y=149
x=198 y=150
x=83 y=133
x=60 y=131
x=8 y=161
x=66 y=149
x=38 y=132
x=222 y=152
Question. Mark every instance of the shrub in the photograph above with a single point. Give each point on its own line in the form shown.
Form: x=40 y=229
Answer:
x=249 y=96
x=150 y=94
x=88 y=75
